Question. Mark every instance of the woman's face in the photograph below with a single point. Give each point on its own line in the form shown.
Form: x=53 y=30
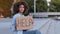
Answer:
x=21 y=8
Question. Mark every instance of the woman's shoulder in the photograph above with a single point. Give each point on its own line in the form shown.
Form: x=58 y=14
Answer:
x=17 y=15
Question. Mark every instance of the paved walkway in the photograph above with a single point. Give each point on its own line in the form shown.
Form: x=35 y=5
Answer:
x=44 y=25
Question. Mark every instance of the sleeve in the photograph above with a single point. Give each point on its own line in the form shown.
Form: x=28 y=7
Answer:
x=12 y=25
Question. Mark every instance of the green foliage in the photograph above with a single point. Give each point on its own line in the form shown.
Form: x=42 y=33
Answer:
x=55 y=6
x=41 y=5
x=31 y=5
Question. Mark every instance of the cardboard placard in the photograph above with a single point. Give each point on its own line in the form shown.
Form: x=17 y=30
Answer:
x=24 y=22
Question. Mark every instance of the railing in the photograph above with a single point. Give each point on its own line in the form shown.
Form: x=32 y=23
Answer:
x=45 y=14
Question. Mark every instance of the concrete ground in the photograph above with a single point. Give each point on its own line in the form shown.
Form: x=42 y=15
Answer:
x=44 y=25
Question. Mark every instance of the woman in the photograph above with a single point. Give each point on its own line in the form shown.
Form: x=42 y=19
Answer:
x=19 y=9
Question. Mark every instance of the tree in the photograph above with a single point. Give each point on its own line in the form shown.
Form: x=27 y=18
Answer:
x=41 y=5
x=31 y=5
x=55 y=6
x=5 y=6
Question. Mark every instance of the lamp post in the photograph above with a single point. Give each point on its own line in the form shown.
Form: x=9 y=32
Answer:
x=34 y=6
x=48 y=4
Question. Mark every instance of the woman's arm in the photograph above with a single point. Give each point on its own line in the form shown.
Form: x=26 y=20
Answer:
x=12 y=25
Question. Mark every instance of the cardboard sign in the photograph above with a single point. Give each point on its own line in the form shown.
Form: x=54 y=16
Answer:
x=24 y=22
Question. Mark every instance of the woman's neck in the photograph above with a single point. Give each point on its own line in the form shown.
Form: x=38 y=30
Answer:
x=20 y=13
